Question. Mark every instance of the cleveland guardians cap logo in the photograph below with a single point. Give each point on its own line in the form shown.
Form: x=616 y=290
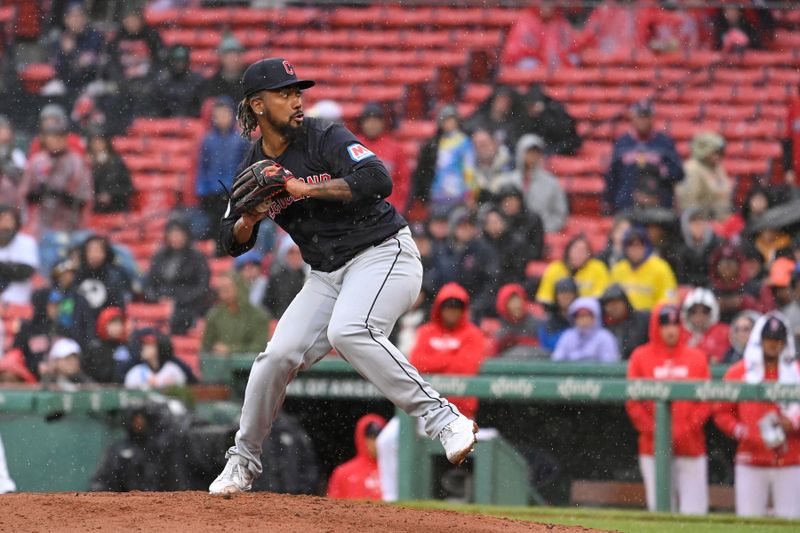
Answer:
x=288 y=68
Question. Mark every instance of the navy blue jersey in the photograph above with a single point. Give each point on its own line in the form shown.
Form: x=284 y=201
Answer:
x=328 y=232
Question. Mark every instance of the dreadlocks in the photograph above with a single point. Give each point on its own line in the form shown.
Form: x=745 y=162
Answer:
x=246 y=118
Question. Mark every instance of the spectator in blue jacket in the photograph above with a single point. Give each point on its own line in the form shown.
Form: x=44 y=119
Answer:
x=222 y=150
x=636 y=150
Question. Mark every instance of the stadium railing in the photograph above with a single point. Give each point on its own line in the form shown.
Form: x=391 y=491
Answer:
x=530 y=381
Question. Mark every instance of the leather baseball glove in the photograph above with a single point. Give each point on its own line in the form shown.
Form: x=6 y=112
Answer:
x=260 y=183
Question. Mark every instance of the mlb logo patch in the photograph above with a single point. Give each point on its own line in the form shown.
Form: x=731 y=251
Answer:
x=358 y=152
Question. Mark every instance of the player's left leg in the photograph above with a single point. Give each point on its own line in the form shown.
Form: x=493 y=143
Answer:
x=786 y=491
x=691 y=481
x=378 y=286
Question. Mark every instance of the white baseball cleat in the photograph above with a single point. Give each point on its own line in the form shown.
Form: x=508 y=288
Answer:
x=235 y=477
x=458 y=439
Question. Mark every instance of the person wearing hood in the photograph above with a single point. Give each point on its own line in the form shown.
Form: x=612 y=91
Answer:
x=629 y=326
x=700 y=316
x=358 y=478
x=727 y=279
x=444 y=175
x=103 y=353
x=540 y=38
x=767 y=460
x=518 y=336
x=289 y=273
x=590 y=274
x=111 y=179
x=500 y=114
x=450 y=343
x=220 y=152
x=565 y=292
x=633 y=151
x=99 y=279
x=471 y=262
x=233 y=325
x=376 y=129
x=705 y=185
x=151 y=455
x=521 y=221
x=543 y=193
x=694 y=253
x=447 y=344
x=492 y=160
x=547 y=118
x=19 y=258
x=741 y=328
x=510 y=248
x=646 y=278
x=177 y=86
x=586 y=341
x=157 y=369
x=668 y=357
x=179 y=273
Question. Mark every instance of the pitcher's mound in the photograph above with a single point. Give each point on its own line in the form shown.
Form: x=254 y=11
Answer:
x=199 y=512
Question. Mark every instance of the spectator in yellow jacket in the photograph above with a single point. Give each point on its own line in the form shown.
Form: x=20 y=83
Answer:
x=646 y=278
x=590 y=274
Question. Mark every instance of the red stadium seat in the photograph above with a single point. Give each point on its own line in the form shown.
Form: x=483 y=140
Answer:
x=143 y=315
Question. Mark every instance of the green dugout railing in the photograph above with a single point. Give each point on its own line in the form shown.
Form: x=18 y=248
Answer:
x=53 y=439
x=516 y=381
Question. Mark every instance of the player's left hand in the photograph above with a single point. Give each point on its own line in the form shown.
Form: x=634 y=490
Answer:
x=297 y=188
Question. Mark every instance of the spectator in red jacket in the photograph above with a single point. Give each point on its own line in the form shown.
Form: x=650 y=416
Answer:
x=358 y=478
x=700 y=316
x=668 y=357
x=448 y=344
x=540 y=37
x=768 y=454
x=376 y=130
x=518 y=336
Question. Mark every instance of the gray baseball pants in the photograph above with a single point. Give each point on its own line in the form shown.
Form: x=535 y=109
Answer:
x=353 y=310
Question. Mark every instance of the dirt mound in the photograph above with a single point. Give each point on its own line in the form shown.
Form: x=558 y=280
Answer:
x=198 y=512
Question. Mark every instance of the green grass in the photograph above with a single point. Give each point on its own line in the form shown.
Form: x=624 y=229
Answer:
x=622 y=520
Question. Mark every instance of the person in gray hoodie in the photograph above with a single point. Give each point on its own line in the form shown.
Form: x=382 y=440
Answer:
x=587 y=341
x=543 y=193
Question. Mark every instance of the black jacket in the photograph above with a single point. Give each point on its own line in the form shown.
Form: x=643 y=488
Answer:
x=475 y=267
x=329 y=233
x=36 y=335
x=554 y=125
x=182 y=275
x=631 y=332
x=112 y=177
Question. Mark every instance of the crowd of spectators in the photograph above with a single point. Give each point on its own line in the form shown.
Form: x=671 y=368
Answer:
x=684 y=235
x=482 y=183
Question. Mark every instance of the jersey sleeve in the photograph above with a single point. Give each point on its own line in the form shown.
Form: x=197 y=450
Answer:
x=350 y=160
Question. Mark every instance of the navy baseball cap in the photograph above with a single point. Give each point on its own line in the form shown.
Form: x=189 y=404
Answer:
x=669 y=314
x=774 y=328
x=271 y=74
